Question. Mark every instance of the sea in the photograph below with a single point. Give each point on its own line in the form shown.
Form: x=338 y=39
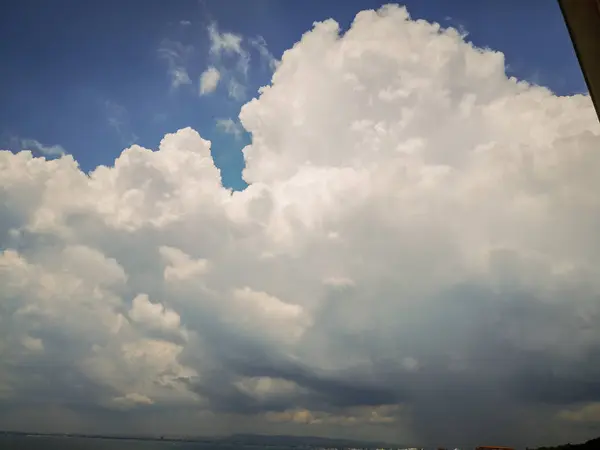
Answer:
x=73 y=443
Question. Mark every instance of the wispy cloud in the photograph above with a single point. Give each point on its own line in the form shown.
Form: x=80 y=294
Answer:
x=46 y=150
x=209 y=80
x=228 y=44
x=236 y=90
x=118 y=119
x=260 y=45
x=185 y=23
x=176 y=55
x=229 y=57
x=227 y=49
x=229 y=126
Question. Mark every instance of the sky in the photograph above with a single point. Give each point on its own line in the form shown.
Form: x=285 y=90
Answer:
x=316 y=218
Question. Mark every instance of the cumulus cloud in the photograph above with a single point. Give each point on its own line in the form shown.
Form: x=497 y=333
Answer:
x=415 y=258
x=154 y=316
x=176 y=55
x=209 y=80
x=46 y=150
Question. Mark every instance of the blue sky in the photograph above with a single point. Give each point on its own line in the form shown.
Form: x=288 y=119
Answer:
x=88 y=76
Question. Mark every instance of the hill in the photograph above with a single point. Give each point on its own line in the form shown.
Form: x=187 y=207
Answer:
x=593 y=444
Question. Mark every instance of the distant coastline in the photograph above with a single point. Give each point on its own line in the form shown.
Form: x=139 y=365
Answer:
x=267 y=441
x=247 y=440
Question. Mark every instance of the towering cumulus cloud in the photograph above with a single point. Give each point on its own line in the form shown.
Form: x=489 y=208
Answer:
x=416 y=259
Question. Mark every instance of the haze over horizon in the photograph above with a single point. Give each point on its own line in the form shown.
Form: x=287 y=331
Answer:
x=220 y=218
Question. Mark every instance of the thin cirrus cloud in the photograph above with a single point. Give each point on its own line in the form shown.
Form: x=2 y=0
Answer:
x=228 y=44
x=229 y=61
x=118 y=119
x=230 y=53
x=226 y=50
x=176 y=55
x=46 y=150
x=236 y=90
x=260 y=45
x=229 y=126
x=415 y=258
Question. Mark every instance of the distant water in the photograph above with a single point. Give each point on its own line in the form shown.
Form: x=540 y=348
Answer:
x=62 y=443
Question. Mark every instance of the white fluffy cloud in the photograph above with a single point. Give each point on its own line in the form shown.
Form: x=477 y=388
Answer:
x=209 y=80
x=416 y=257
